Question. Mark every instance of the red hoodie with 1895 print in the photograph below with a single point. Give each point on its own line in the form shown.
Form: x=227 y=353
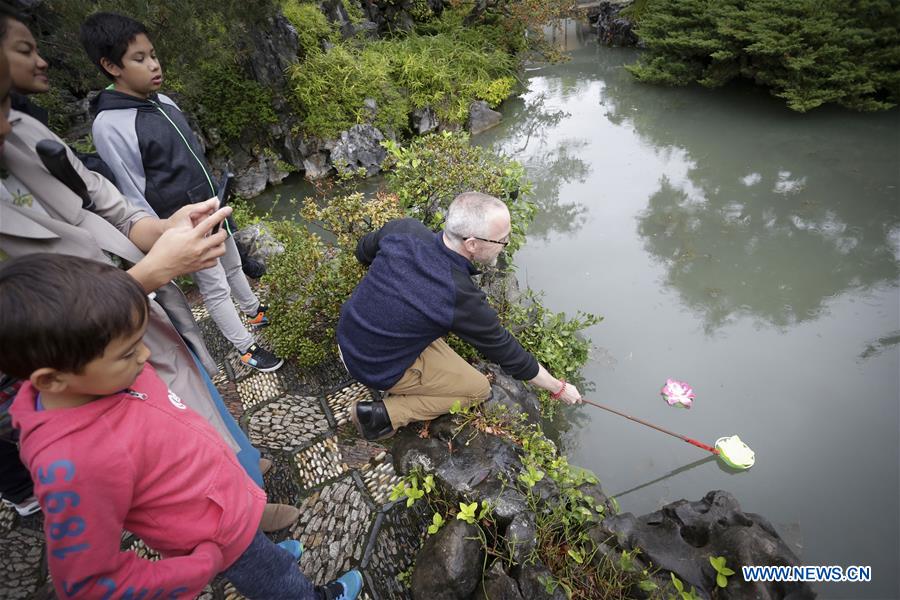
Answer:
x=139 y=460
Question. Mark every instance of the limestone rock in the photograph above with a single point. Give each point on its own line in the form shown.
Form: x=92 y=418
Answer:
x=359 y=147
x=498 y=586
x=261 y=245
x=530 y=579
x=481 y=117
x=683 y=535
x=513 y=395
x=316 y=166
x=424 y=120
x=613 y=29
x=272 y=48
x=448 y=567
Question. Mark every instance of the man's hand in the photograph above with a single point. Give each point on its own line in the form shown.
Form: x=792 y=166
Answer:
x=570 y=395
x=185 y=246
x=567 y=393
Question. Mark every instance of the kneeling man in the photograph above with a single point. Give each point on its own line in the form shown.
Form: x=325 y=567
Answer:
x=419 y=288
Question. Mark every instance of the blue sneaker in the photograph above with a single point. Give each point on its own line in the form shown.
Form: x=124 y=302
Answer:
x=292 y=546
x=346 y=587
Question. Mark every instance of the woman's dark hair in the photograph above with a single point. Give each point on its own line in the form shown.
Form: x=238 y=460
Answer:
x=107 y=35
x=62 y=312
x=6 y=13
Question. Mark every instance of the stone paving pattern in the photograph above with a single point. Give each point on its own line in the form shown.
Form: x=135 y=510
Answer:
x=341 y=483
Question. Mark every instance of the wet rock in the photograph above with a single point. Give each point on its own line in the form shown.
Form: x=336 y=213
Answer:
x=531 y=582
x=448 y=567
x=359 y=147
x=683 y=535
x=497 y=585
x=522 y=536
x=481 y=117
x=410 y=452
x=505 y=501
x=613 y=29
x=512 y=394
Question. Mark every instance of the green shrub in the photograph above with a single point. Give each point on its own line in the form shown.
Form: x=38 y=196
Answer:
x=808 y=52
x=311 y=24
x=310 y=281
x=434 y=169
x=444 y=71
x=231 y=103
x=200 y=44
x=330 y=89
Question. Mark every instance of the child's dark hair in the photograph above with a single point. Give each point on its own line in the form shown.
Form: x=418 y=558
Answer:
x=107 y=35
x=62 y=311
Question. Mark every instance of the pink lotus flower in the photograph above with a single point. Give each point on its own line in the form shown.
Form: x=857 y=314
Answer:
x=678 y=393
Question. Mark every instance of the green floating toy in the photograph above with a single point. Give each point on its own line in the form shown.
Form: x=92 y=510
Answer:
x=735 y=453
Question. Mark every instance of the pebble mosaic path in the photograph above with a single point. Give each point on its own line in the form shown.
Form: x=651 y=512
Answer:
x=341 y=483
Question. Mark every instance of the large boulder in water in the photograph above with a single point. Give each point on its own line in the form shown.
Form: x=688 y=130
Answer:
x=683 y=535
x=481 y=117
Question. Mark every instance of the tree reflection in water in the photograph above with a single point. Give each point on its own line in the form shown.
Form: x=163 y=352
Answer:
x=549 y=167
x=776 y=213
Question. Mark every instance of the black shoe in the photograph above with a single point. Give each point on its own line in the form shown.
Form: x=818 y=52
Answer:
x=371 y=420
x=261 y=359
x=259 y=320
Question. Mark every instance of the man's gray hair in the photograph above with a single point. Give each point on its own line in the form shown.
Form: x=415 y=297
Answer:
x=470 y=214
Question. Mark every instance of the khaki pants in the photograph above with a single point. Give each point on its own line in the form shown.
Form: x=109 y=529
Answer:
x=438 y=378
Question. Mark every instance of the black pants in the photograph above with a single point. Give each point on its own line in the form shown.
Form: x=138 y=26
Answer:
x=15 y=481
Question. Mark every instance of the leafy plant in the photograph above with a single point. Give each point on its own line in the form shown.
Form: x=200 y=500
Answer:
x=682 y=593
x=437 y=521
x=722 y=571
x=531 y=476
x=231 y=102
x=445 y=72
x=311 y=279
x=429 y=173
x=311 y=25
x=467 y=512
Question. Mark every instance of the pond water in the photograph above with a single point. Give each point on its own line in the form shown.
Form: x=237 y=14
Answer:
x=748 y=250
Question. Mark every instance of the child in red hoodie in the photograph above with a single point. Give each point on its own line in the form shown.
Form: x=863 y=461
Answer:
x=110 y=447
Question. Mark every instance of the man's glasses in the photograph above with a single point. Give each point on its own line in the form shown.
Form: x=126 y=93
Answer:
x=504 y=244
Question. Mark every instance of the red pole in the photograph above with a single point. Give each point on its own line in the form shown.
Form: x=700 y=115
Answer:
x=656 y=427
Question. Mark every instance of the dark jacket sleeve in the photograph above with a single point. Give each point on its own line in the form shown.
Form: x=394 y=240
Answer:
x=368 y=245
x=476 y=322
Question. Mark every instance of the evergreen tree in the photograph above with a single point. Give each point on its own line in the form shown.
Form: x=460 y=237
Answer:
x=809 y=52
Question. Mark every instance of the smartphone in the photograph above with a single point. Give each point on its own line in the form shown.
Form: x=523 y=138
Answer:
x=224 y=194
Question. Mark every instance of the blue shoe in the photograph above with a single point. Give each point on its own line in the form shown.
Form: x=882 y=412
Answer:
x=292 y=546
x=346 y=587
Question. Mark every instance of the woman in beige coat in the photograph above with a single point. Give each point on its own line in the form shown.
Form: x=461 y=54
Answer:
x=38 y=213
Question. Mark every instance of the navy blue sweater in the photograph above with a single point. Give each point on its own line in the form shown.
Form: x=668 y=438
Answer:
x=416 y=291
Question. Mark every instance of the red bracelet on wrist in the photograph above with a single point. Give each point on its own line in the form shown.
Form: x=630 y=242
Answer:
x=560 y=392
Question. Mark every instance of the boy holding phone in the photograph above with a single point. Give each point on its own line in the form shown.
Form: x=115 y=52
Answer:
x=159 y=165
